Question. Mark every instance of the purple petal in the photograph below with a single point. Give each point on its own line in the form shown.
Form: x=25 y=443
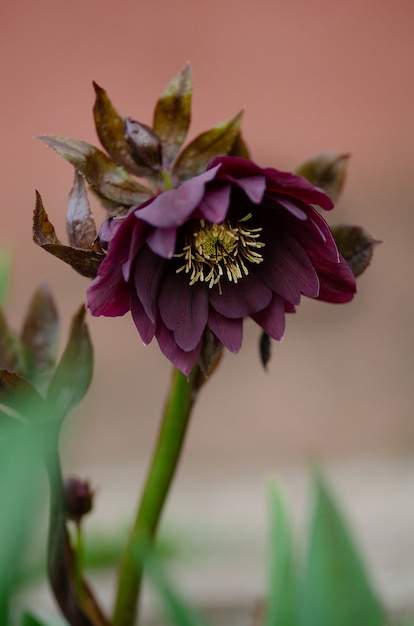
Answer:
x=228 y=331
x=236 y=167
x=173 y=207
x=139 y=233
x=145 y=326
x=184 y=309
x=288 y=270
x=162 y=241
x=291 y=207
x=272 y=318
x=316 y=237
x=215 y=203
x=337 y=281
x=185 y=361
x=241 y=299
x=149 y=271
x=254 y=187
x=298 y=187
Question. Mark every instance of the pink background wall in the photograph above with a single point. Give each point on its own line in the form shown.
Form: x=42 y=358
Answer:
x=312 y=76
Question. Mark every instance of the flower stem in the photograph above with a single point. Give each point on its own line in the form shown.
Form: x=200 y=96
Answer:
x=161 y=472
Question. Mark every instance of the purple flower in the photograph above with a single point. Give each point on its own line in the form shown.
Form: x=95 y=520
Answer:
x=236 y=241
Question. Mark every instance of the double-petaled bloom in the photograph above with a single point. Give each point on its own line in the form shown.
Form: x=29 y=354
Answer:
x=236 y=241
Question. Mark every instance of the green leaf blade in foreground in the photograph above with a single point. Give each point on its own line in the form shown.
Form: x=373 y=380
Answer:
x=218 y=141
x=336 y=589
x=282 y=593
x=172 y=114
x=5 y=267
x=73 y=374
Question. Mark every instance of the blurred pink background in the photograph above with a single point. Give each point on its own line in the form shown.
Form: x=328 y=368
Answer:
x=311 y=76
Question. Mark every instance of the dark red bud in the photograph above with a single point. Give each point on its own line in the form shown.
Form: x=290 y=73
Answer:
x=77 y=498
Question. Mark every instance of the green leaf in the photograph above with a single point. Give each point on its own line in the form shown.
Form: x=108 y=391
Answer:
x=356 y=246
x=5 y=267
x=11 y=357
x=215 y=142
x=30 y=619
x=240 y=148
x=21 y=454
x=17 y=394
x=80 y=225
x=85 y=262
x=281 y=603
x=108 y=179
x=39 y=337
x=326 y=170
x=178 y=611
x=172 y=114
x=73 y=375
x=110 y=127
x=336 y=586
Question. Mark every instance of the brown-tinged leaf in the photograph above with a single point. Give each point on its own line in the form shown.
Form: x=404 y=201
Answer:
x=39 y=337
x=85 y=262
x=240 y=148
x=326 y=170
x=80 y=225
x=43 y=230
x=218 y=141
x=18 y=394
x=144 y=144
x=111 y=132
x=107 y=178
x=356 y=246
x=10 y=348
x=172 y=114
x=73 y=375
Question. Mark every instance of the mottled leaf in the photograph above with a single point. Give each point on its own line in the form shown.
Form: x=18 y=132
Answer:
x=80 y=225
x=43 y=230
x=172 y=114
x=86 y=262
x=336 y=589
x=17 y=393
x=326 y=170
x=5 y=266
x=39 y=337
x=144 y=144
x=10 y=349
x=282 y=596
x=215 y=142
x=110 y=127
x=356 y=246
x=73 y=375
x=108 y=179
x=240 y=148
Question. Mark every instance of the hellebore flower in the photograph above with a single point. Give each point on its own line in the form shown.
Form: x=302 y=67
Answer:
x=236 y=241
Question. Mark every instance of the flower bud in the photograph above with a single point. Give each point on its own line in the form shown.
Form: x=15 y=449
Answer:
x=77 y=498
x=144 y=144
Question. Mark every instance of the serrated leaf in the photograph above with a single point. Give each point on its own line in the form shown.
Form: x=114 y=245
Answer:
x=73 y=375
x=218 y=141
x=356 y=246
x=80 y=225
x=172 y=114
x=108 y=179
x=86 y=262
x=110 y=127
x=326 y=170
x=281 y=602
x=336 y=586
x=39 y=337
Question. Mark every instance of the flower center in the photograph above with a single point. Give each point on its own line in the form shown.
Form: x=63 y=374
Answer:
x=213 y=251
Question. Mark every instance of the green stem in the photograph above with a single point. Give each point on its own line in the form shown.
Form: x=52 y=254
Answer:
x=161 y=472
x=166 y=179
